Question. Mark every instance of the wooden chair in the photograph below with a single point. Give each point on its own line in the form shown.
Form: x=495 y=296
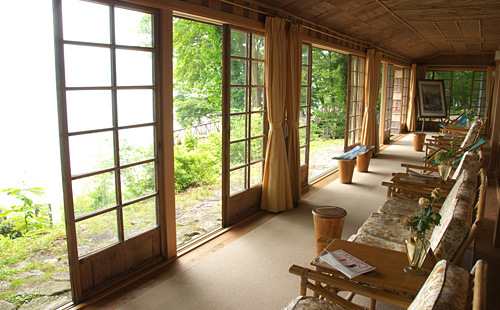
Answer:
x=443 y=289
x=430 y=161
x=413 y=191
x=472 y=136
x=461 y=120
x=477 y=217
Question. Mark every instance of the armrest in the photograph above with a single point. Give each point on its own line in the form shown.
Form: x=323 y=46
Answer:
x=345 y=285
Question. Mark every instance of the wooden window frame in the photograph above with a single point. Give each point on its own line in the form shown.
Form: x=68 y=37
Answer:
x=355 y=104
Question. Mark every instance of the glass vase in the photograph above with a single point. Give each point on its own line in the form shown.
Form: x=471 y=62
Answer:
x=417 y=247
x=444 y=170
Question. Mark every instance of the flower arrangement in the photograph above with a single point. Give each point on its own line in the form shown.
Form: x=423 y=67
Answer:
x=423 y=221
x=445 y=155
x=469 y=114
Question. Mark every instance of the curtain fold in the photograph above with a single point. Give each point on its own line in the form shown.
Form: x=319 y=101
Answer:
x=294 y=75
x=411 y=117
x=369 y=128
x=276 y=190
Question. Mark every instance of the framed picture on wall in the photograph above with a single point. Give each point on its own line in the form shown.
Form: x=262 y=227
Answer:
x=431 y=99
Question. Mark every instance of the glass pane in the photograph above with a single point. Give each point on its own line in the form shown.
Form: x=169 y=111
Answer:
x=136 y=144
x=78 y=13
x=302 y=135
x=133 y=28
x=237 y=153
x=94 y=193
x=134 y=68
x=137 y=181
x=96 y=233
x=91 y=152
x=257 y=99
x=305 y=77
x=256 y=173
x=87 y=66
x=89 y=109
x=238 y=43
x=303 y=156
x=256 y=126
x=237 y=123
x=305 y=54
x=256 y=149
x=238 y=99
x=303 y=117
x=257 y=47
x=257 y=73
x=135 y=106
x=139 y=217
x=237 y=180
x=303 y=96
x=238 y=72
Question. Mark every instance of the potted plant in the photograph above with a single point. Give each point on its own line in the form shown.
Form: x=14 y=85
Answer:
x=417 y=245
x=470 y=116
x=445 y=158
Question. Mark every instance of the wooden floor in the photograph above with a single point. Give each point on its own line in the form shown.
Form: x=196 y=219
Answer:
x=483 y=249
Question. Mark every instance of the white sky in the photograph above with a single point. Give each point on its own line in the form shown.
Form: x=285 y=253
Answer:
x=29 y=146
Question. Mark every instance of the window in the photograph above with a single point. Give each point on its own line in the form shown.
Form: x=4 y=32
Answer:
x=405 y=95
x=108 y=89
x=388 y=101
x=109 y=92
x=247 y=110
x=305 y=104
x=478 y=93
x=356 y=99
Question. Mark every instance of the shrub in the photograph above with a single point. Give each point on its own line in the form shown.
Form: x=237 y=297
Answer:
x=27 y=216
x=197 y=161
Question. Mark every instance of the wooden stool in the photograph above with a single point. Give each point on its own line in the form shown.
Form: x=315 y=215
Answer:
x=346 y=170
x=363 y=161
x=328 y=222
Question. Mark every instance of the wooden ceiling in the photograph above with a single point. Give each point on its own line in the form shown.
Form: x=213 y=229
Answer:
x=413 y=29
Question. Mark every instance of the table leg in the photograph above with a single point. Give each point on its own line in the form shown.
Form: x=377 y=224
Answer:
x=363 y=161
x=346 y=170
x=373 y=303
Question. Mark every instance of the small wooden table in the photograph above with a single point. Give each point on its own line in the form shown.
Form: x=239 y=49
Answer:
x=388 y=275
x=346 y=162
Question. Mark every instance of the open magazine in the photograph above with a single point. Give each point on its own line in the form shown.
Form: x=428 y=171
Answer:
x=344 y=262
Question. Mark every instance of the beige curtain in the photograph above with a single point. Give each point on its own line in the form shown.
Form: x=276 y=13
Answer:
x=369 y=128
x=276 y=191
x=411 y=117
x=293 y=107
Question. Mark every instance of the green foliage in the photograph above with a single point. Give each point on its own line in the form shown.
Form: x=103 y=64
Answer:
x=445 y=156
x=197 y=161
x=423 y=221
x=328 y=93
x=470 y=115
x=197 y=71
x=26 y=216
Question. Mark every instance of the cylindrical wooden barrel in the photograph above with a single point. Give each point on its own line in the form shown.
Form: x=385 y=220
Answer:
x=328 y=222
x=418 y=141
x=346 y=170
x=363 y=161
